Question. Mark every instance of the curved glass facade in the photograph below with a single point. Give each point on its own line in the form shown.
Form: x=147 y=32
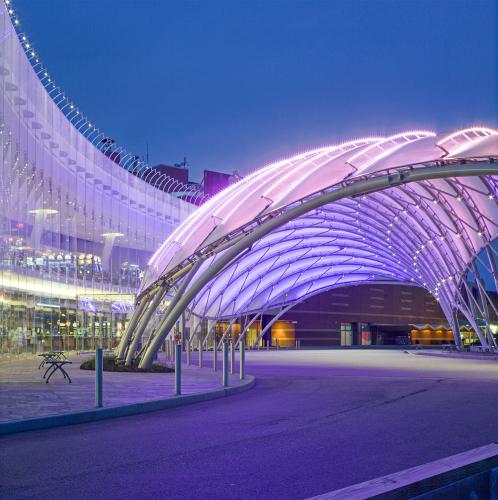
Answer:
x=76 y=228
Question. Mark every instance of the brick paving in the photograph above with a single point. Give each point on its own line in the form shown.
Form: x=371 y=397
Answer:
x=24 y=393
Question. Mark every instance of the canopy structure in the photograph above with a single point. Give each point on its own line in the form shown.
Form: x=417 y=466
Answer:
x=413 y=208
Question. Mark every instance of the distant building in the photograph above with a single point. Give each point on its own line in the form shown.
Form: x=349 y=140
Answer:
x=179 y=173
x=361 y=315
x=374 y=314
x=107 y=146
x=174 y=171
x=214 y=182
x=369 y=314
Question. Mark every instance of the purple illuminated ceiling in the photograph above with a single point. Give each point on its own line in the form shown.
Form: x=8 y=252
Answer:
x=423 y=233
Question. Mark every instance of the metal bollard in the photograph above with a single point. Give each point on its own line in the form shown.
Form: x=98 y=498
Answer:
x=187 y=350
x=200 y=353
x=215 y=356
x=277 y=344
x=225 y=364
x=178 y=369
x=232 y=357
x=99 y=368
x=267 y=345
x=296 y=344
x=242 y=359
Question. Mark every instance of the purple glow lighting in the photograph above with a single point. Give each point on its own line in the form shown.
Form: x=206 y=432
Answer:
x=422 y=233
x=264 y=190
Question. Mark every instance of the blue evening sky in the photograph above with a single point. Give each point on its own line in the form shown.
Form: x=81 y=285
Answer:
x=236 y=84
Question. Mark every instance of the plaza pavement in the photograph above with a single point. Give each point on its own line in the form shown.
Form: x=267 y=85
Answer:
x=24 y=393
x=316 y=421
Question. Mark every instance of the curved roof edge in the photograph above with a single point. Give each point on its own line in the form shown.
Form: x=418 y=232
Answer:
x=262 y=193
x=84 y=126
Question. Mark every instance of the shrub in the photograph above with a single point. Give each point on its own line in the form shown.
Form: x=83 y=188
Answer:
x=111 y=366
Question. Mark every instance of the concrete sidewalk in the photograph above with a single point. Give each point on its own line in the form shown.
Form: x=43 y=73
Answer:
x=24 y=393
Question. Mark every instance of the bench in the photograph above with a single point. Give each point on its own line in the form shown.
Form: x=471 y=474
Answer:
x=52 y=355
x=56 y=365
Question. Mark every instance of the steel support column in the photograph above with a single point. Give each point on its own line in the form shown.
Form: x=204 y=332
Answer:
x=357 y=187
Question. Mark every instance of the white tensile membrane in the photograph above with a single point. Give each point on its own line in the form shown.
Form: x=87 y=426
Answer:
x=425 y=233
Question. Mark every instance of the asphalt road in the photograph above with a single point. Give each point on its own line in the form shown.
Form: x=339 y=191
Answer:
x=316 y=421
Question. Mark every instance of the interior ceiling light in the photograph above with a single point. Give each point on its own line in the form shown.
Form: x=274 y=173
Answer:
x=112 y=235
x=43 y=211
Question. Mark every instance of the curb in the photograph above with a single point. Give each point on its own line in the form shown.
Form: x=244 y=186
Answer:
x=32 y=424
x=450 y=477
x=456 y=355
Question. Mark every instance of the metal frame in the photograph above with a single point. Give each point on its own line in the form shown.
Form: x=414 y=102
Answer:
x=226 y=255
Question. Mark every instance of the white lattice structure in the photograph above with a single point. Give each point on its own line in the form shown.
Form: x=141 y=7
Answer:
x=414 y=208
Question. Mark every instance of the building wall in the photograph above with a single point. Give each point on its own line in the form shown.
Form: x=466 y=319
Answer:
x=178 y=173
x=360 y=315
x=388 y=310
x=283 y=332
x=214 y=182
x=76 y=228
